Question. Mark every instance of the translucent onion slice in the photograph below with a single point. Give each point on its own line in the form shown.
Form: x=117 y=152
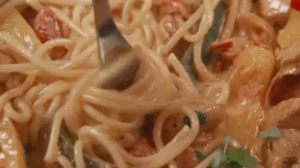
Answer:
x=11 y=145
x=17 y=36
x=290 y=35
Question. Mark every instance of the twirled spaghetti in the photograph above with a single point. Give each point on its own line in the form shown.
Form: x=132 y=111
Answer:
x=52 y=90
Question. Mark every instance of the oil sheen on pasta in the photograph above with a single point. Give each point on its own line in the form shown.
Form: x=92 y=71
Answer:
x=243 y=101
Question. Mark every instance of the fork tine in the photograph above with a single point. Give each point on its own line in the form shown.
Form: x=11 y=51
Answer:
x=109 y=37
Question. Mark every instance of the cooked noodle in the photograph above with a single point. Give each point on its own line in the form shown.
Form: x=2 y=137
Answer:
x=68 y=92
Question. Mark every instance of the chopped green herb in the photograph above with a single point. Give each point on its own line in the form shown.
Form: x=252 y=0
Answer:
x=210 y=37
x=66 y=146
x=199 y=155
x=214 y=31
x=234 y=158
x=188 y=63
x=235 y=165
x=227 y=140
x=272 y=133
x=201 y=116
x=240 y=156
x=187 y=121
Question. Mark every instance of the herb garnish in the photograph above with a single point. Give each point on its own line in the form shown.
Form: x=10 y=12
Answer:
x=227 y=140
x=66 y=146
x=201 y=116
x=210 y=37
x=199 y=155
x=236 y=157
x=187 y=121
x=240 y=156
x=272 y=133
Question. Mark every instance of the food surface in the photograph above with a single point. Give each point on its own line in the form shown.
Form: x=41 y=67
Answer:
x=217 y=85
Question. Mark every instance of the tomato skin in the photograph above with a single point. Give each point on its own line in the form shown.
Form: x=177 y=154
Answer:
x=47 y=25
x=295 y=4
x=142 y=148
x=187 y=159
x=260 y=42
x=222 y=46
x=175 y=6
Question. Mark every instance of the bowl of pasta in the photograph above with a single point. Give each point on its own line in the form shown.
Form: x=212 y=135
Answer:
x=218 y=87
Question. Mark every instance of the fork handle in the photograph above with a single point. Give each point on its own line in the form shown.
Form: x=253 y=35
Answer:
x=109 y=37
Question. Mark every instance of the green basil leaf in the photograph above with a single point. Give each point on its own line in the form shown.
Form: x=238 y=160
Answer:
x=235 y=165
x=188 y=63
x=187 y=121
x=201 y=116
x=234 y=158
x=211 y=36
x=66 y=146
x=199 y=155
x=240 y=156
x=213 y=33
x=272 y=133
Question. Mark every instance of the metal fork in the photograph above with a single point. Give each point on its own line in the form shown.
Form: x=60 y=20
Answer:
x=112 y=46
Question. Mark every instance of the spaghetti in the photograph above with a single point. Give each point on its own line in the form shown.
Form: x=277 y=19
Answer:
x=53 y=83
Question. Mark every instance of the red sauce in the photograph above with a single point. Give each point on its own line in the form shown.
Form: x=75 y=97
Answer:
x=187 y=159
x=142 y=148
